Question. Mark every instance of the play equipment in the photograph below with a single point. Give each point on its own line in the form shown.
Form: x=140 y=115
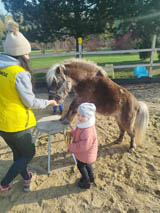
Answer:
x=50 y=125
x=140 y=72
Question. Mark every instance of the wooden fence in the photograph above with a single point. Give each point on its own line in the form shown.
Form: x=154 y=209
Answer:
x=151 y=64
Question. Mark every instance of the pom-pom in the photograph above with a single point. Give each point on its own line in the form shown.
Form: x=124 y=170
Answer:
x=12 y=26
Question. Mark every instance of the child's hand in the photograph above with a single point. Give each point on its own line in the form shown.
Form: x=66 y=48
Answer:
x=69 y=137
x=68 y=133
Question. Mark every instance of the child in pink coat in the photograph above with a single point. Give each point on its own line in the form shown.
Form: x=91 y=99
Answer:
x=84 y=143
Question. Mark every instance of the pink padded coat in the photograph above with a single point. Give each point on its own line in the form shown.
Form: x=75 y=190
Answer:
x=84 y=144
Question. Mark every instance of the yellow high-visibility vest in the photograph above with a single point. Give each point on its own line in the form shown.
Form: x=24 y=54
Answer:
x=14 y=116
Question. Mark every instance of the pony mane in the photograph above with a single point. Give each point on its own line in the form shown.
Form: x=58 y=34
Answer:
x=51 y=74
x=83 y=67
x=77 y=69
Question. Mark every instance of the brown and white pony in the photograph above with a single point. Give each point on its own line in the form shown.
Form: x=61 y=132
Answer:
x=91 y=84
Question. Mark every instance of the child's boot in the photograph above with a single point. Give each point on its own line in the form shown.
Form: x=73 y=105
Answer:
x=80 y=180
x=91 y=179
x=84 y=184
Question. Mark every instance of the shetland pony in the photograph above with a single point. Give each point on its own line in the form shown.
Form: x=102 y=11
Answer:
x=91 y=84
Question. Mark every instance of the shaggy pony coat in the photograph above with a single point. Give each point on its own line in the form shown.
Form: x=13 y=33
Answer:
x=91 y=84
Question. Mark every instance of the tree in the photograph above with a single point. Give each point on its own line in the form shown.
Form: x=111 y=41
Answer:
x=47 y=20
x=2 y=28
x=140 y=18
x=3 y=20
x=82 y=18
x=33 y=19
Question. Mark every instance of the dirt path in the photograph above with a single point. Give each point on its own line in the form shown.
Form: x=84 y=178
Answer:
x=125 y=183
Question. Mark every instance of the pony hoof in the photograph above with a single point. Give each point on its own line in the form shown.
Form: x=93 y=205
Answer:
x=131 y=150
x=65 y=122
x=117 y=142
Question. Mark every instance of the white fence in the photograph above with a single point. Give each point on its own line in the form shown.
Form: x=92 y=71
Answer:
x=79 y=54
x=150 y=64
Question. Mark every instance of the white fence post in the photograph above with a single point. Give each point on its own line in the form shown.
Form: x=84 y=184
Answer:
x=152 y=55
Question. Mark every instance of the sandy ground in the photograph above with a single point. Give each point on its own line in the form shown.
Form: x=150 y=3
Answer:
x=125 y=182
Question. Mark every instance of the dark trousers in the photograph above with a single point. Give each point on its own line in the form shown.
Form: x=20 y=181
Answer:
x=23 y=151
x=86 y=170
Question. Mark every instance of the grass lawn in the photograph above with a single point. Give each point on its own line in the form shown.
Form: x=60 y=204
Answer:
x=40 y=63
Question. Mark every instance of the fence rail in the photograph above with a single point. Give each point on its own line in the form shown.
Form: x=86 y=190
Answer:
x=81 y=53
x=118 y=51
x=132 y=65
x=150 y=65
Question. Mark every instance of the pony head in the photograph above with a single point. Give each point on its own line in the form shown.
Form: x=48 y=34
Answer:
x=58 y=85
x=62 y=77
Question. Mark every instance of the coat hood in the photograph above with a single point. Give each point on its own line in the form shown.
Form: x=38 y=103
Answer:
x=6 y=61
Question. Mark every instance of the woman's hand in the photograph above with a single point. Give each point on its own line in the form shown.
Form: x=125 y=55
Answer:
x=53 y=103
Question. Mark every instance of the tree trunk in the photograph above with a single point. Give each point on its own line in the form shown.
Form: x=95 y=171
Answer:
x=43 y=49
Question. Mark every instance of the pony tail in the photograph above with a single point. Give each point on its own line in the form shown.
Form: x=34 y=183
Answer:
x=141 y=123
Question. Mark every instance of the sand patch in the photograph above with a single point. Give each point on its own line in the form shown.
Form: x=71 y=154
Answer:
x=124 y=182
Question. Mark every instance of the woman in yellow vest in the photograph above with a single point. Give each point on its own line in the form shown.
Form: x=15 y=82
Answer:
x=16 y=103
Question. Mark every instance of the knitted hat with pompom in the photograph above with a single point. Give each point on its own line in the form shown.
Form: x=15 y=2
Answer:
x=15 y=44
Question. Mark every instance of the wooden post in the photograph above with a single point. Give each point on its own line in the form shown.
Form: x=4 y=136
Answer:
x=152 y=55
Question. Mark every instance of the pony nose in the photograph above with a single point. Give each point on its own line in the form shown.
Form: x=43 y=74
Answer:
x=50 y=97
x=55 y=97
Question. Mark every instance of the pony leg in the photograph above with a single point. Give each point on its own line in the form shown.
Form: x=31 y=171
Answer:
x=132 y=141
x=132 y=145
x=70 y=114
x=122 y=131
x=132 y=132
x=120 y=139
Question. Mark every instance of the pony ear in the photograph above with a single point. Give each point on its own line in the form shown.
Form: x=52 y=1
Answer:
x=99 y=73
x=60 y=69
